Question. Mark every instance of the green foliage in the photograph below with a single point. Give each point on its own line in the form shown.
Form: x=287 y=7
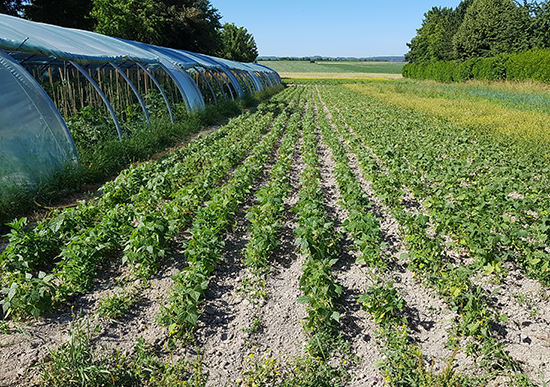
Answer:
x=266 y=217
x=30 y=248
x=131 y=19
x=204 y=249
x=192 y=25
x=306 y=370
x=317 y=239
x=185 y=24
x=77 y=363
x=147 y=244
x=539 y=31
x=237 y=44
x=464 y=70
x=491 y=27
x=410 y=165
x=65 y=13
x=14 y=201
x=490 y=69
x=88 y=127
x=28 y=294
x=480 y=29
x=433 y=40
x=118 y=304
x=103 y=155
x=530 y=65
x=384 y=303
x=133 y=220
x=441 y=71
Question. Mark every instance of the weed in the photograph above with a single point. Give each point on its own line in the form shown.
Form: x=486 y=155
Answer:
x=116 y=305
x=448 y=377
x=256 y=325
x=78 y=363
x=4 y=328
x=259 y=372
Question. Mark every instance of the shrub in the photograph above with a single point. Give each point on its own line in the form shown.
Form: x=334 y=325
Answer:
x=490 y=69
x=441 y=71
x=463 y=71
x=530 y=65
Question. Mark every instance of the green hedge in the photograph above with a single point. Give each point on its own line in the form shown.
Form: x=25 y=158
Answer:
x=464 y=70
x=529 y=65
x=440 y=71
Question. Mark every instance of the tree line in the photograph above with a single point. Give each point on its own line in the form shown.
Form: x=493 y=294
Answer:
x=481 y=29
x=192 y=25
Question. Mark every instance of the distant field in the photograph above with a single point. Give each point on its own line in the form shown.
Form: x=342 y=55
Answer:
x=515 y=110
x=297 y=69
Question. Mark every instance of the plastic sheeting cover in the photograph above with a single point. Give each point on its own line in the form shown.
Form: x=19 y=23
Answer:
x=34 y=140
x=175 y=63
x=21 y=35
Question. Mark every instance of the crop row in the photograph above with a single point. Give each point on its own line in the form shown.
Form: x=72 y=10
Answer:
x=44 y=265
x=381 y=300
x=476 y=316
x=317 y=239
x=204 y=249
x=266 y=217
x=490 y=193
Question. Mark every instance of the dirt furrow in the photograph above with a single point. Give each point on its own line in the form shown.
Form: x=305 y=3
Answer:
x=526 y=329
x=280 y=335
x=428 y=316
x=356 y=327
x=29 y=342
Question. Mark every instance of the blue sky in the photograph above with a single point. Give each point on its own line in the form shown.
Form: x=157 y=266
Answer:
x=329 y=28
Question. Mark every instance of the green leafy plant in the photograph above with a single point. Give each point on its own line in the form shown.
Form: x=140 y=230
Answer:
x=118 y=304
x=384 y=303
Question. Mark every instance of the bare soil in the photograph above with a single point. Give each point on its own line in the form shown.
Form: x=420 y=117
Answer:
x=224 y=335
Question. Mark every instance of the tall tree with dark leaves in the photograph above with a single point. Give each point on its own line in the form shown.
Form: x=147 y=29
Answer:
x=192 y=25
x=434 y=39
x=492 y=27
x=65 y=13
x=139 y=20
x=237 y=44
x=11 y=7
x=539 y=28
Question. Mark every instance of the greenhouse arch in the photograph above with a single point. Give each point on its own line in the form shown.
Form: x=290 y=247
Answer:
x=94 y=69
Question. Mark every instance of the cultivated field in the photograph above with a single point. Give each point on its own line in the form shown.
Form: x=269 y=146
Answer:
x=366 y=234
x=337 y=69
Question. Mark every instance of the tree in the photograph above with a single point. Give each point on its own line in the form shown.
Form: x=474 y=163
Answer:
x=192 y=25
x=539 y=31
x=491 y=27
x=433 y=40
x=460 y=10
x=11 y=7
x=139 y=20
x=65 y=13
x=237 y=44
x=184 y=24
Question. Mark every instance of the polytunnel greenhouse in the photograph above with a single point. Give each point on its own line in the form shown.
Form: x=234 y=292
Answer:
x=49 y=75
